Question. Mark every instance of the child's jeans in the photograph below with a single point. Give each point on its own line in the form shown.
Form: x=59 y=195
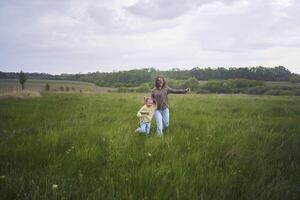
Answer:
x=144 y=127
x=162 y=120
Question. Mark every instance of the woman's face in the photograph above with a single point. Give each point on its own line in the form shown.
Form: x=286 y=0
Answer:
x=160 y=82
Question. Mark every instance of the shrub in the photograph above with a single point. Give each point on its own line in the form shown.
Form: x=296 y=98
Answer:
x=296 y=92
x=273 y=92
x=191 y=83
x=62 y=88
x=256 y=90
x=217 y=87
x=47 y=87
x=67 y=88
x=202 y=91
x=123 y=89
x=295 y=78
x=175 y=83
x=143 y=88
x=286 y=93
x=231 y=85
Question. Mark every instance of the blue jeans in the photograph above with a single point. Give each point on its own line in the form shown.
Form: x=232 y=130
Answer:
x=144 y=127
x=162 y=120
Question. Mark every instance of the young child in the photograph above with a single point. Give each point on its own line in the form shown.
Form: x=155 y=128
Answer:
x=145 y=115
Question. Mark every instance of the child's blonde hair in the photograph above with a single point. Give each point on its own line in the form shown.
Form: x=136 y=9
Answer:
x=148 y=98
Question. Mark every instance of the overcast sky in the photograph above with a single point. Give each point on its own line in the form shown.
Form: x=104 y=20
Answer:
x=71 y=36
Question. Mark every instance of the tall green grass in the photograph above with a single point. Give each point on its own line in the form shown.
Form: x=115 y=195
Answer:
x=217 y=147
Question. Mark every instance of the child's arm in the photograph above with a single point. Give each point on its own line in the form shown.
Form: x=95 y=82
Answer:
x=141 y=112
x=152 y=110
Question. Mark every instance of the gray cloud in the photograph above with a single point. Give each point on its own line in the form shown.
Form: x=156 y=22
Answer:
x=249 y=26
x=96 y=35
x=163 y=9
x=166 y=9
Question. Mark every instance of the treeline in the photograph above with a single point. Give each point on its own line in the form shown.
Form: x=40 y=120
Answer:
x=129 y=78
x=245 y=86
x=133 y=78
x=279 y=73
x=136 y=77
x=229 y=86
x=35 y=75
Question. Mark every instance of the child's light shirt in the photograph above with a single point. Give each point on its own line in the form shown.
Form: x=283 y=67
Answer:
x=145 y=114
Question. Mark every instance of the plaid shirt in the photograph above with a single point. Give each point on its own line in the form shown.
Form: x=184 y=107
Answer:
x=161 y=96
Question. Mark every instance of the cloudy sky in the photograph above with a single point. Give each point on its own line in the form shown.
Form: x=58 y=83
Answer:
x=71 y=36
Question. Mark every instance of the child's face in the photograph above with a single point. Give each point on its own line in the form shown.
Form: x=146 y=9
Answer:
x=149 y=102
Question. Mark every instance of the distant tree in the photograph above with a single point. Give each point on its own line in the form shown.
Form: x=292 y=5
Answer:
x=281 y=73
x=47 y=87
x=123 y=89
x=62 y=88
x=175 y=83
x=143 y=88
x=22 y=79
x=295 y=78
x=191 y=83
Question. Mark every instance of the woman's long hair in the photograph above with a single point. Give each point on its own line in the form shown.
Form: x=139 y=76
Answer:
x=164 y=81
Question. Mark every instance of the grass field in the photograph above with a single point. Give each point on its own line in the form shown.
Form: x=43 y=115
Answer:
x=80 y=146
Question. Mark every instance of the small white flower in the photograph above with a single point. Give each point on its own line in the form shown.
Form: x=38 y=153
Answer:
x=68 y=151
x=2 y=177
x=54 y=186
x=149 y=154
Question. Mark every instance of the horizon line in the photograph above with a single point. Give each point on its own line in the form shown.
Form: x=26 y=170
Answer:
x=157 y=69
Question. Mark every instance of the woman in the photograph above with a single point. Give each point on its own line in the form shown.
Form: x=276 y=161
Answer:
x=160 y=95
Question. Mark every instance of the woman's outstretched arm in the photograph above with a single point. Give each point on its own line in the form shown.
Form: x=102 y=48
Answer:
x=177 y=91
